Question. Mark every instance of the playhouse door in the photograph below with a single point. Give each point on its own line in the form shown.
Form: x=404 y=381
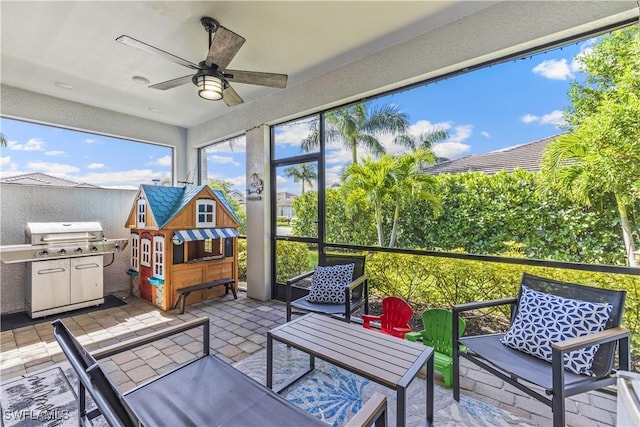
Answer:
x=146 y=290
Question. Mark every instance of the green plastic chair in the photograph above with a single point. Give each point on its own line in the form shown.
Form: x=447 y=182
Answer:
x=437 y=332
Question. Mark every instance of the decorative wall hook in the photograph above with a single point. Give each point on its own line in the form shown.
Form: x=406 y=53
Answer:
x=256 y=185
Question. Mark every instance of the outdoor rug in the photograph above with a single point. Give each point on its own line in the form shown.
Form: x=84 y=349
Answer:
x=48 y=397
x=335 y=395
x=22 y=319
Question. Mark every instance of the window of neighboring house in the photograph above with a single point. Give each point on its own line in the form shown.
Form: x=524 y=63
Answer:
x=205 y=213
x=145 y=258
x=142 y=212
x=158 y=256
x=135 y=241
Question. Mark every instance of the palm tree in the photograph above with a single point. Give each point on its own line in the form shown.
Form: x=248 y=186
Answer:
x=410 y=183
x=425 y=141
x=304 y=173
x=358 y=126
x=372 y=181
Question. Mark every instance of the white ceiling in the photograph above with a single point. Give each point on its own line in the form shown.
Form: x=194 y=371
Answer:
x=74 y=43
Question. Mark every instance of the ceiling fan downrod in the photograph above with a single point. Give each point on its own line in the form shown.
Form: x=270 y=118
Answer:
x=210 y=26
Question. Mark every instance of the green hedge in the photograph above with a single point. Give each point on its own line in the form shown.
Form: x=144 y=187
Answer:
x=444 y=282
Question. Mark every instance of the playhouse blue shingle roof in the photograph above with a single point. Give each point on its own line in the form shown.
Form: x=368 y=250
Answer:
x=166 y=202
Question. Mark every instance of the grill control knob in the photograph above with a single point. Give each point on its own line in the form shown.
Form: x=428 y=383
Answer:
x=79 y=250
x=94 y=249
x=44 y=253
x=62 y=251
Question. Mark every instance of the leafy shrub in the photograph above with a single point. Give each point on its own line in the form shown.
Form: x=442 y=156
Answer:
x=242 y=259
x=291 y=260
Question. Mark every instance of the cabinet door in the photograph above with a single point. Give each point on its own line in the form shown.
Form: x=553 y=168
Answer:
x=86 y=278
x=49 y=284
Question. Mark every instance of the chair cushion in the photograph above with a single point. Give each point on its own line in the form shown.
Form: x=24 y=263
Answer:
x=327 y=286
x=544 y=319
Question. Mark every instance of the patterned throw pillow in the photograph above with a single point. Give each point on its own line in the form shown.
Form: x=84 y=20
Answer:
x=327 y=286
x=544 y=319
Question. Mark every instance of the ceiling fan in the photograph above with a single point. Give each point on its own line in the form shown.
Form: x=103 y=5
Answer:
x=211 y=75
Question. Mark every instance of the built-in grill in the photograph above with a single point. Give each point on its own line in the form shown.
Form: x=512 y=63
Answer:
x=64 y=263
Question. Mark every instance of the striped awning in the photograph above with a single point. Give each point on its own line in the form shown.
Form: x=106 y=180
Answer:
x=205 y=233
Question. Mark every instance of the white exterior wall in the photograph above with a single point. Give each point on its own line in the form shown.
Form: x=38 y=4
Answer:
x=32 y=203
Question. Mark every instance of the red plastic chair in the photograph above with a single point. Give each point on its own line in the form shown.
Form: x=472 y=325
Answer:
x=394 y=319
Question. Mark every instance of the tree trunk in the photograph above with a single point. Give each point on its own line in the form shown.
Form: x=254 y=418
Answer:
x=378 y=212
x=626 y=233
x=394 y=229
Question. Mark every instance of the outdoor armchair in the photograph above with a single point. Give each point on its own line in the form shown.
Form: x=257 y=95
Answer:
x=437 y=323
x=205 y=391
x=562 y=372
x=355 y=293
x=394 y=319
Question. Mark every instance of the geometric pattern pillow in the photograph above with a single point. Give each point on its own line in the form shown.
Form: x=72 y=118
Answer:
x=544 y=319
x=327 y=286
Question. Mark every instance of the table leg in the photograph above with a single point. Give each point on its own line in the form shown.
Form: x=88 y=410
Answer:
x=430 y=393
x=269 y=360
x=401 y=406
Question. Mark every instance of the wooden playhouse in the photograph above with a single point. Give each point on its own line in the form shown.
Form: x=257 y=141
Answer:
x=180 y=237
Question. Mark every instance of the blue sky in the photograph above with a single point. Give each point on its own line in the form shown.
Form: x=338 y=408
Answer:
x=486 y=110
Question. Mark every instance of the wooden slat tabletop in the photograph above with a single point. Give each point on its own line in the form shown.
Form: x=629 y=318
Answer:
x=370 y=354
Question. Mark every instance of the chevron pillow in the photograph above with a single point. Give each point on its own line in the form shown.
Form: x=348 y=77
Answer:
x=327 y=286
x=544 y=319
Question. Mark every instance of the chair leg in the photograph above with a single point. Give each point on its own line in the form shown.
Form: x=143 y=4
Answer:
x=456 y=356
x=447 y=375
x=288 y=313
x=557 y=406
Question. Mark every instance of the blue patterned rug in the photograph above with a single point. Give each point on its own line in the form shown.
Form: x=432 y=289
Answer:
x=335 y=395
x=48 y=397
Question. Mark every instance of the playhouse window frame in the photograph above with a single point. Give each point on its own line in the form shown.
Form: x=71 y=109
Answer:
x=205 y=213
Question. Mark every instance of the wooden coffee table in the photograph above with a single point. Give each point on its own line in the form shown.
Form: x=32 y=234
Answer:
x=387 y=360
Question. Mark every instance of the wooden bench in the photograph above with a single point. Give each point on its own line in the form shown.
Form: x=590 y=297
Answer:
x=183 y=293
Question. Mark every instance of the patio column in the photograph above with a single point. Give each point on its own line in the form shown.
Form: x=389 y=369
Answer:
x=258 y=216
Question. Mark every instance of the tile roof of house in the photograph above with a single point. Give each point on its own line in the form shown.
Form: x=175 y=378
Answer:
x=524 y=156
x=38 y=178
x=166 y=202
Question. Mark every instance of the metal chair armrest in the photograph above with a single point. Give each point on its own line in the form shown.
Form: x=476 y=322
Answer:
x=359 y=281
x=608 y=335
x=483 y=304
x=299 y=277
x=155 y=336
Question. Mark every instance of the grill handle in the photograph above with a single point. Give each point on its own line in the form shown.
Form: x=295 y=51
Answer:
x=51 y=271
x=68 y=239
x=83 y=266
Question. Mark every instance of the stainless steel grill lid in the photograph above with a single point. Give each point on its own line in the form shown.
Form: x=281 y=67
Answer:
x=45 y=233
x=55 y=240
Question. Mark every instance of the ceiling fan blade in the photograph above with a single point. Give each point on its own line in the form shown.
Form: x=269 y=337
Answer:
x=224 y=47
x=169 y=84
x=231 y=97
x=257 y=78
x=130 y=41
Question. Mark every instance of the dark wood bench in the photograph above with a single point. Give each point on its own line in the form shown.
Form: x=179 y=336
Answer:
x=183 y=293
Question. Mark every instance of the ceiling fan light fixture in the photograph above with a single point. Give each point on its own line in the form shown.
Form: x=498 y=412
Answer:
x=209 y=87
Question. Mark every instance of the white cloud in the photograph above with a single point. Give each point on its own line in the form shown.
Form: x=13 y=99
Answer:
x=222 y=160
x=95 y=166
x=89 y=141
x=450 y=150
x=337 y=154
x=333 y=174
x=554 y=69
x=55 y=169
x=485 y=134
x=118 y=179
x=7 y=165
x=163 y=161
x=553 y=118
x=293 y=134
x=54 y=153
x=34 y=144
x=460 y=133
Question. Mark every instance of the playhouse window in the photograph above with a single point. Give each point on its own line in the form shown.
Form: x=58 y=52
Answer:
x=145 y=246
x=135 y=239
x=204 y=249
x=206 y=213
x=142 y=212
x=158 y=256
